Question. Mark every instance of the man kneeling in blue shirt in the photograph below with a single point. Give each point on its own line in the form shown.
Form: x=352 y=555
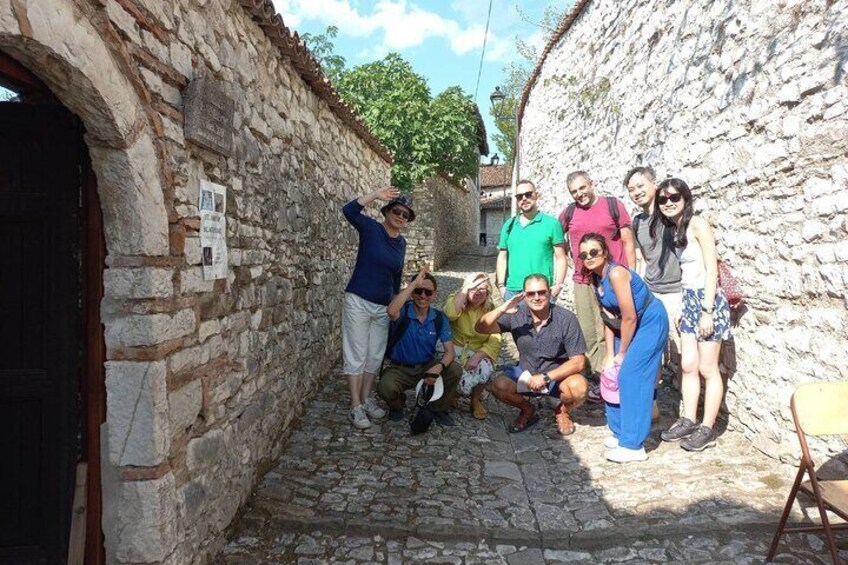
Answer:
x=413 y=357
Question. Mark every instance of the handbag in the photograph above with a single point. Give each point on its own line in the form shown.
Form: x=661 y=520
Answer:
x=729 y=285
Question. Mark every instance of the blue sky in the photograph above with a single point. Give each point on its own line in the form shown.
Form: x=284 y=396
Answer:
x=442 y=39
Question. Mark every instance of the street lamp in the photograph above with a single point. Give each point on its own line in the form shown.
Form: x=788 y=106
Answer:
x=495 y=159
x=497 y=97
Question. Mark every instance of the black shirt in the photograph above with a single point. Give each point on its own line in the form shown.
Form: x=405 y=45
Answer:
x=557 y=340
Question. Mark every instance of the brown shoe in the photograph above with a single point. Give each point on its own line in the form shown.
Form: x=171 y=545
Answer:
x=478 y=410
x=563 y=420
x=524 y=421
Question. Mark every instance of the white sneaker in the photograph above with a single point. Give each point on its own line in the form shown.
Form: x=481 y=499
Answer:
x=359 y=419
x=611 y=442
x=624 y=455
x=373 y=409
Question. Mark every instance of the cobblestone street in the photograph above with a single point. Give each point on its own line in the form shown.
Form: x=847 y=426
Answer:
x=477 y=494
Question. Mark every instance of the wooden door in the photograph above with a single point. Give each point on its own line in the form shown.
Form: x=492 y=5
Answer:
x=40 y=329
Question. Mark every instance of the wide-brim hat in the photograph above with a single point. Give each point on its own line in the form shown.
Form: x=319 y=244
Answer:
x=438 y=389
x=403 y=200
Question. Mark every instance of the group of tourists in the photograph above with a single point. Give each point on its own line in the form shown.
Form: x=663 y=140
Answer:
x=644 y=289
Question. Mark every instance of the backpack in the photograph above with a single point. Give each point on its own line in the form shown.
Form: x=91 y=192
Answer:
x=612 y=204
x=402 y=325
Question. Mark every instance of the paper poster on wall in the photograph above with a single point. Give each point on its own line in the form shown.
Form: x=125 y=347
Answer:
x=213 y=229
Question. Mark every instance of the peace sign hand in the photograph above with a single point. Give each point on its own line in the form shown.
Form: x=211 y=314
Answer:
x=421 y=277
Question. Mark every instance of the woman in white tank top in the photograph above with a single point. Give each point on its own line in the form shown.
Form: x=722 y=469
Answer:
x=705 y=317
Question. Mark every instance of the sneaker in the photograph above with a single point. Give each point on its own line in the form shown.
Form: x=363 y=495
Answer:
x=624 y=455
x=594 y=393
x=611 y=442
x=443 y=419
x=395 y=414
x=681 y=429
x=701 y=438
x=373 y=410
x=359 y=419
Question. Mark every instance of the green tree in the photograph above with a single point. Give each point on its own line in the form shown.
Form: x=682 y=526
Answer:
x=324 y=50
x=454 y=133
x=424 y=134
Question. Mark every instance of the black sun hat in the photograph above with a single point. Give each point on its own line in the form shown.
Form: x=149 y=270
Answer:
x=403 y=200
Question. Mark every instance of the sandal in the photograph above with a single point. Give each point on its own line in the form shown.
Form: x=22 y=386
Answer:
x=564 y=422
x=478 y=410
x=524 y=421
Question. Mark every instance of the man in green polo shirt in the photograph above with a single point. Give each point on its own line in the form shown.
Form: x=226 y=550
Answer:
x=531 y=242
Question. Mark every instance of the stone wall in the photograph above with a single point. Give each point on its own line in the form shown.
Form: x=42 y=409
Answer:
x=202 y=377
x=748 y=102
x=447 y=220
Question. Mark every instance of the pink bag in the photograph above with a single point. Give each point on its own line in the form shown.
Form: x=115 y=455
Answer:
x=609 y=383
x=730 y=286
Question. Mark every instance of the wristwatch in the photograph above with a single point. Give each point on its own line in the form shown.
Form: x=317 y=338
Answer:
x=547 y=378
x=707 y=310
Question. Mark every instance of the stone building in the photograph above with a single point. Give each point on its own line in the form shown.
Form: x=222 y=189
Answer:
x=495 y=200
x=748 y=102
x=117 y=351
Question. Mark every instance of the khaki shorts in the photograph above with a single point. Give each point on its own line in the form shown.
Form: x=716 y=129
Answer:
x=365 y=332
x=673 y=302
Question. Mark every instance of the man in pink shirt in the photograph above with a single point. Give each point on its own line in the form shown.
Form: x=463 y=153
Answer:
x=608 y=217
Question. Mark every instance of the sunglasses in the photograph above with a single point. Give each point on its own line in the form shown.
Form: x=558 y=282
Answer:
x=674 y=198
x=524 y=195
x=423 y=292
x=400 y=212
x=592 y=253
x=535 y=293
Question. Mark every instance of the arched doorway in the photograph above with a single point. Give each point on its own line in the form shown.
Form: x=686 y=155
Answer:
x=51 y=376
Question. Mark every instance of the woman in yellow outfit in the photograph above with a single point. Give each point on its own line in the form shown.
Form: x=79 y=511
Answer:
x=476 y=352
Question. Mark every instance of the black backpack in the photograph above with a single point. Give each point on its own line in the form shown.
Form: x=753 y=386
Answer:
x=612 y=204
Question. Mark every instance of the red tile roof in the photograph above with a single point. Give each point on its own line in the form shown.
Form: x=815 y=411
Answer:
x=495 y=175
x=290 y=45
x=500 y=202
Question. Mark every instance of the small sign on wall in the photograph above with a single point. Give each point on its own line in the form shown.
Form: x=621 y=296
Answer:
x=208 y=113
x=213 y=229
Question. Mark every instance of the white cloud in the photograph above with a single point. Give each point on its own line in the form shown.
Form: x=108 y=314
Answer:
x=401 y=24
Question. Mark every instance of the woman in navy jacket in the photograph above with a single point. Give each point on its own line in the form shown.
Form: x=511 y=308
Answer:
x=375 y=280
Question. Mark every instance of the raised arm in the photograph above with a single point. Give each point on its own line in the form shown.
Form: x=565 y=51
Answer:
x=488 y=322
x=403 y=296
x=353 y=209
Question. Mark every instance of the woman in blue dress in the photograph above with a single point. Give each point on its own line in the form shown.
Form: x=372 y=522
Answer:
x=636 y=331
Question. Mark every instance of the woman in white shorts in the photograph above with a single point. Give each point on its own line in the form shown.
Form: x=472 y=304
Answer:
x=375 y=280
x=705 y=315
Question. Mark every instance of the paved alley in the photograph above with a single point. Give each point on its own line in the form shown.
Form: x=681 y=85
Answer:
x=477 y=494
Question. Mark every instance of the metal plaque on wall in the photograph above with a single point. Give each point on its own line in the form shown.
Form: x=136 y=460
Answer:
x=208 y=112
